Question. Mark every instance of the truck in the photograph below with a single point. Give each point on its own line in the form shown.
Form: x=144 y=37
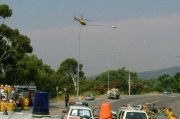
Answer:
x=23 y=91
x=113 y=93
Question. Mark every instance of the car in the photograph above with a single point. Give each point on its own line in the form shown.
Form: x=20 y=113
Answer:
x=80 y=103
x=89 y=96
x=124 y=107
x=166 y=92
x=131 y=114
x=137 y=107
x=77 y=111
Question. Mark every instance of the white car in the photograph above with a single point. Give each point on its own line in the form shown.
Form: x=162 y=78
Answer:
x=131 y=114
x=77 y=111
x=166 y=92
x=89 y=96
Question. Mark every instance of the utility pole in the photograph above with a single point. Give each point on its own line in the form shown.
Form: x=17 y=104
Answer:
x=129 y=83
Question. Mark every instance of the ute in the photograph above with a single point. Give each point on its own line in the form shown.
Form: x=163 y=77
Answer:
x=113 y=93
x=78 y=112
x=130 y=114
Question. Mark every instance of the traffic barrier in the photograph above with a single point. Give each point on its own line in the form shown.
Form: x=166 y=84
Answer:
x=105 y=112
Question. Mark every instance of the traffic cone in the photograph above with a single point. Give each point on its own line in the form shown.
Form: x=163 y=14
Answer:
x=105 y=112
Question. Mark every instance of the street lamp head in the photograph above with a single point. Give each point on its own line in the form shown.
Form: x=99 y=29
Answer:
x=113 y=26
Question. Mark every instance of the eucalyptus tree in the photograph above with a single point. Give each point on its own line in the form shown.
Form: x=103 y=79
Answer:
x=31 y=70
x=5 y=12
x=176 y=83
x=68 y=72
x=13 y=47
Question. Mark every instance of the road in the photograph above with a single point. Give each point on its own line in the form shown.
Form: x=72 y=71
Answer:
x=160 y=100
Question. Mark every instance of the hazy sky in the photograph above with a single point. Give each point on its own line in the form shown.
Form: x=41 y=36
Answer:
x=147 y=36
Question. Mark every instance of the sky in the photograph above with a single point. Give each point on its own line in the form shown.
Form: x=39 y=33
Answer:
x=147 y=36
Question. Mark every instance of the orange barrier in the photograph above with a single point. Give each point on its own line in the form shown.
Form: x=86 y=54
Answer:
x=105 y=112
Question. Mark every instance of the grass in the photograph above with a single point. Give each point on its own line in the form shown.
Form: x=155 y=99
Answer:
x=73 y=97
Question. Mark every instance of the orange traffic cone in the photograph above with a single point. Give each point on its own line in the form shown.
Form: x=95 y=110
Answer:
x=105 y=112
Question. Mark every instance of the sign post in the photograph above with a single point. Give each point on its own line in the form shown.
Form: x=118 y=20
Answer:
x=57 y=92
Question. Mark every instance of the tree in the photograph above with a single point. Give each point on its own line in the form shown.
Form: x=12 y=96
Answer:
x=68 y=68
x=165 y=81
x=13 y=47
x=31 y=70
x=5 y=12
x=176 y=83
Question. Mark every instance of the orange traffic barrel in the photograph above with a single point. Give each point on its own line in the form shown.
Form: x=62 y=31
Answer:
x=105 y=112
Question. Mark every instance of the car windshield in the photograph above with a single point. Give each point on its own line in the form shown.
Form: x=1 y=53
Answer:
x=88 y=95
x=80 y=112
x=135 y=115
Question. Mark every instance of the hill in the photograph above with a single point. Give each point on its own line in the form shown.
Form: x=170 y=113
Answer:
x=151 y=74
x=155 y=74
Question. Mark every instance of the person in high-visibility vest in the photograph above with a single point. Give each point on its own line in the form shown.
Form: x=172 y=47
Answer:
x=2 y=86
x=5 y=88
x=144 y=108
x=173 y=116
x=9 y=89
x=170 y=113
x=167 y=111
x=13 y=103
x=26 y=103
x=3 y=105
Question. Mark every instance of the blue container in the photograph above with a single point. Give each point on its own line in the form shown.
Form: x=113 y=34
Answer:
x=41 y=103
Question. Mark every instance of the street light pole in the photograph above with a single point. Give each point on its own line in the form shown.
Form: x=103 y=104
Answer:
x=129 y=83
x=79 y=60
x=108 y=74
x=79 y=63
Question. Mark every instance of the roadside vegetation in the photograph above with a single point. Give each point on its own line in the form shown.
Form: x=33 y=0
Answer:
x=19 y=66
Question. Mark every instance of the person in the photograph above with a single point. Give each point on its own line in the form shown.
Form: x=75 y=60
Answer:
x=26 y=103
x=3 y=105
x=173 y=116
x=66 y=99
x=170 y=113
x=14 y=103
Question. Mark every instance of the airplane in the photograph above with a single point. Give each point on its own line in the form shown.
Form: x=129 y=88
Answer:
x=81 y=20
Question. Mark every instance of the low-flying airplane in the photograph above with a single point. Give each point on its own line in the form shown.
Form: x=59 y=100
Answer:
x=81 y=20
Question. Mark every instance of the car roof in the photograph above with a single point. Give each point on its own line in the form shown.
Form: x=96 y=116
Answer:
x=79 y=107
x=132 y=110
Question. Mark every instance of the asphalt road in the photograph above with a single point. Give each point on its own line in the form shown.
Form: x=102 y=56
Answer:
x=160 y=100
